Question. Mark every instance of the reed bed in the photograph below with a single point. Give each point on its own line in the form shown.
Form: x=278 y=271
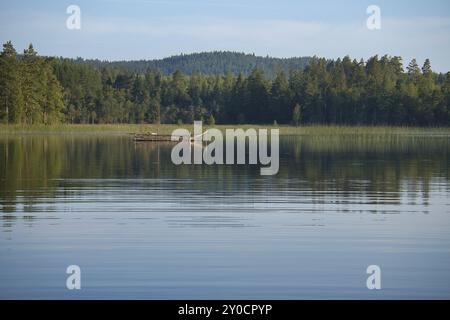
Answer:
x=308 y=130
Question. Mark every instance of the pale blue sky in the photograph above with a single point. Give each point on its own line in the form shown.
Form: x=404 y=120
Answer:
x=146 y=29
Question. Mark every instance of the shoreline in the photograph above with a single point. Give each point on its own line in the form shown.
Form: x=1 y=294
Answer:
x=285 y=130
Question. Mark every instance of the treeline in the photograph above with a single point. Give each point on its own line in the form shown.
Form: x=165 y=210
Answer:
x=207 y=63
x=342 y=91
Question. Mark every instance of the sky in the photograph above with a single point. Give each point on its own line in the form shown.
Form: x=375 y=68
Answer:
x=149 y=29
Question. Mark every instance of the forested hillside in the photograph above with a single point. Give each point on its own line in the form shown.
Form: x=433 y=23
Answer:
x=208 y=63
x=343 y=91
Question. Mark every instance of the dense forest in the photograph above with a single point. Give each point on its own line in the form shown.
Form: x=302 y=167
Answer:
x=35 y=89
x=207 y=63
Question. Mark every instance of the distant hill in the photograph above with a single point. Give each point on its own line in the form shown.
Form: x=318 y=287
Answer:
x=208 y=63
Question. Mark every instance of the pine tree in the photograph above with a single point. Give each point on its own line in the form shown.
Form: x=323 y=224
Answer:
x=426 y=69
x=257 y=110
x=11 y=98
x=53 y=102
x=33 y=86
x=280 y=98
x=413 y=70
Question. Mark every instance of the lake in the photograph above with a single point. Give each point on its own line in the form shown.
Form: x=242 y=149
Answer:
x=140 y=227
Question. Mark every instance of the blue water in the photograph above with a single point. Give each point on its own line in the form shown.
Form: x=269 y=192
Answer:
x=140 y=227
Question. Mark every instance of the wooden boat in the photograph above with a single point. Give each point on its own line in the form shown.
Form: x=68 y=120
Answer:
x=154 y=137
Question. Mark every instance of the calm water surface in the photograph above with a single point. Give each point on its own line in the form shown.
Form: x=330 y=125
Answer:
x=141 y=227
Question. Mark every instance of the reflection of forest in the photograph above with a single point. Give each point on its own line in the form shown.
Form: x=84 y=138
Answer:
x=33 y=167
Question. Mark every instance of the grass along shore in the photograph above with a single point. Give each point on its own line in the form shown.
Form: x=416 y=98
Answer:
x=322 y=130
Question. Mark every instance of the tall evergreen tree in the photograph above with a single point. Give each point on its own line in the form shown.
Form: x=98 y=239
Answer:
x=53 y=103
x=426 y=69
x=280 y=98
x=413 y=70
x=11 y=97
x=33 y=85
